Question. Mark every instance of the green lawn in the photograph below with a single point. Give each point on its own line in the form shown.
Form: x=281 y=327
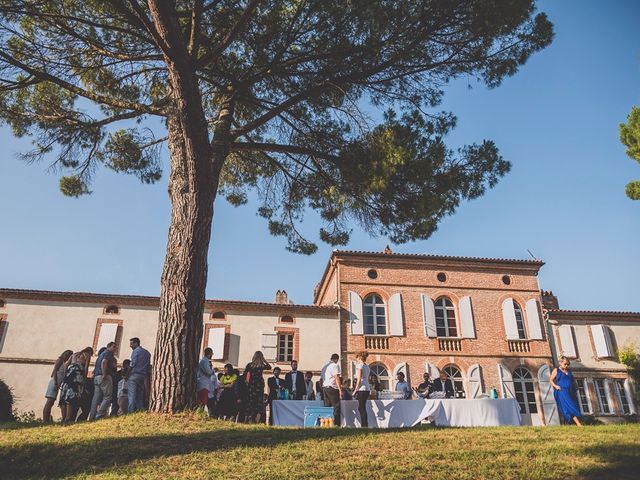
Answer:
x=188 y=446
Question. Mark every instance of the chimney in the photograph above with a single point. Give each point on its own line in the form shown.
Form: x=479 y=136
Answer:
x=281 y=297
x=549 y=300
x=387 y=250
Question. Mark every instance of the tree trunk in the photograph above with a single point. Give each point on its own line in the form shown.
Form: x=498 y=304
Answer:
x=195 y=170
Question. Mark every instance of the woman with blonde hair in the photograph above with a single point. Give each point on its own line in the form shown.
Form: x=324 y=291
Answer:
x=565 y=392
x=255 y=387
x=361 y=389
x=55 y=382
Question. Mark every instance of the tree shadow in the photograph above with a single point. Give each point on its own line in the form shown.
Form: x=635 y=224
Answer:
x=621 y=461
x=63 y=459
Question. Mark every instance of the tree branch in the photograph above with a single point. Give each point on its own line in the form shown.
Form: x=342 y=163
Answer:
x=275 y=147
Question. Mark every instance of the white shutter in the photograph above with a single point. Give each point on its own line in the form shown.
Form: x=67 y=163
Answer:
x=429 y=316
x=353 y=372
x=400 y=368
x=215 y=341
x=628 y=390
x=549 y=406
x=432 y=370
x=467 y=327
x=474 y=377
x=270 y=346
x=600 y=334
x=108 y=332
x=396 y=321
x=355 y=314
x=509 y=318
x=506 y=382
x=533 y=320
x=607 y=389
x=567 y=344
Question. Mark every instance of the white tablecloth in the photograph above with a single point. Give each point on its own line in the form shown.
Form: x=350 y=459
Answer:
x=407 y=413
x=388 y=413
x=481 y=412
x=290 y=413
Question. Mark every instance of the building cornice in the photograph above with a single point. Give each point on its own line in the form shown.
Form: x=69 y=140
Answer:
x=592 y=315
x=8 y=294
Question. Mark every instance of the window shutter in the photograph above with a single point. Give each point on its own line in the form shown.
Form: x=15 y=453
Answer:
x=355 y=314
x=432 y=370
x=474 y=377
x=467 y=327
x=429 y=316
x=506 y=382
x=270 y=346
x=533 y=320
x=509 y=318
x=215 y=341
x=353 y=372
x=567 y=344
x=628 y=389
x=549 y=406
x=396 y=321
x=108 y=333
x=602 y=341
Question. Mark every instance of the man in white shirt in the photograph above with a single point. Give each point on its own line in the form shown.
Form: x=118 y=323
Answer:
x=403 y=386
x=332 y=387
x=203 y=377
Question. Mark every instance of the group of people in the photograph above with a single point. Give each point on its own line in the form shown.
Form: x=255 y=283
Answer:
x=83 y=397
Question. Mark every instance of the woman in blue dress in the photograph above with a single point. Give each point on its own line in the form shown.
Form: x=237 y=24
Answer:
x=564 y=392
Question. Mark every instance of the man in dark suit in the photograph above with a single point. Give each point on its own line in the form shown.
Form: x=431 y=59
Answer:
x=275 y=384
x=294 y=382
x=443 y=384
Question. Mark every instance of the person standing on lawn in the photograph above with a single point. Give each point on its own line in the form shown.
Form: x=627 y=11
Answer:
x=294 y=382
x=255 y=407
x=332 y=387
x=362 y=388
x=140 y=366
x=203 y=377
x=565 y=392
x=57 y=376
x=103 y=375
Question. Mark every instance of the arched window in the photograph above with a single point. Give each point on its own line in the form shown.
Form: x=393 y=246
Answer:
x=286 y=319
x=455 y=375
x=380 y=371
x=445 y=318
x=522 y=334
x=523 y=387
x=375 y=322
x=112 y=309
x=218 y=315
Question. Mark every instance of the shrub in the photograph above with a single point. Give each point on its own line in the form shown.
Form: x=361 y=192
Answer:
x=6 y=403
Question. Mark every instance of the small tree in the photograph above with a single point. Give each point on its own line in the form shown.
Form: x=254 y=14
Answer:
x=265 y=95
x=630 y=138
x=6 y=403
x=628 y=357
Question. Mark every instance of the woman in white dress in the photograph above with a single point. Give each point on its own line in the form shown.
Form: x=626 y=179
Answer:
x=362 y=388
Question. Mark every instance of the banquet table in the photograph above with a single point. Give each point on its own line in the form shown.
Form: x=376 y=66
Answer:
x=483 y=412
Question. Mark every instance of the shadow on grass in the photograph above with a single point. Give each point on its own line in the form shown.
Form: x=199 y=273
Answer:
x=100 y=455
x=620 y=462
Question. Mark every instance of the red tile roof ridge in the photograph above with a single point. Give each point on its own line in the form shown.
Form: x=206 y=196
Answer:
x=436 y=256
x=7 y=292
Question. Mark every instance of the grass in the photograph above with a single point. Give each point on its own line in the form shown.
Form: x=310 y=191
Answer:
x=189 y=446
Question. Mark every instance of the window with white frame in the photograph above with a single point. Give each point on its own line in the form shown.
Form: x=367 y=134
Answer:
x=445 y=318
x=602 y=394
x=455 y=375
x=375 y=321
x=522 y=334
x=621 y=394
x=523 y=388
x=584 y=401
x=285 y=347
x=382 y=374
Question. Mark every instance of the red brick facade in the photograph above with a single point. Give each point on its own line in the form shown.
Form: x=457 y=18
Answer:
x=412 y=276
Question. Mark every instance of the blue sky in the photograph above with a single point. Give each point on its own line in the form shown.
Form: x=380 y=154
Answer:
x=556 y=121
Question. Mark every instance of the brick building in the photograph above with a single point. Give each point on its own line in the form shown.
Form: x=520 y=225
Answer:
x=478 y=319
x=485 y=322
x=590 y=340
